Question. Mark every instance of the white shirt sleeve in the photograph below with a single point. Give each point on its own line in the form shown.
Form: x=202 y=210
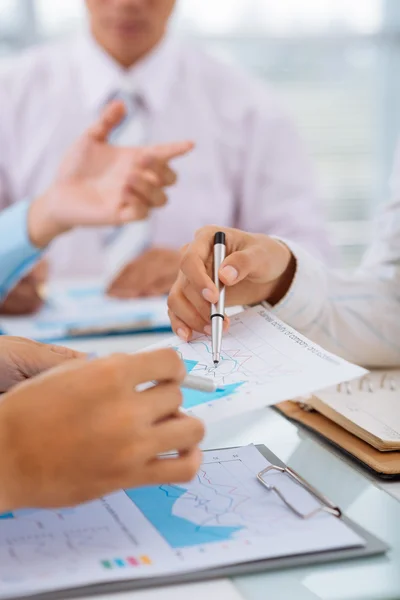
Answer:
x=356 y=316
x=17 y=254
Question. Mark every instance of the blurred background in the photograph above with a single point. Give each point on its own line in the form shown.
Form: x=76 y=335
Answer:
x=335 y=62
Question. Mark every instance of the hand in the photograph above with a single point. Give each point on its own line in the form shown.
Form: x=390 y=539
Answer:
x=21 y=359
x=24 y=298
x=82 y=430
x=257 y=268
x=102 y=184
x=152 y=274
x=41 y=272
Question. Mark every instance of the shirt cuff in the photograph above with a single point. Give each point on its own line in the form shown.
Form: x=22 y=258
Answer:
x=304 y=302
x=17 y=253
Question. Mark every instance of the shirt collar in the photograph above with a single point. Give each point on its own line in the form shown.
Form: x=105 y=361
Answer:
x=152 y=78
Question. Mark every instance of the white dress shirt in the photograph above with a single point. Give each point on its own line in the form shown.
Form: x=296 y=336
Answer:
x=249 y=168
x=358 y=315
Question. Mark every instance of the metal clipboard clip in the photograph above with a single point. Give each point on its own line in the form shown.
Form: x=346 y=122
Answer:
x=325 y=504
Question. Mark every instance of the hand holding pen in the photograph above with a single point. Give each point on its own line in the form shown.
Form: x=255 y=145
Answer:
x=256 y=268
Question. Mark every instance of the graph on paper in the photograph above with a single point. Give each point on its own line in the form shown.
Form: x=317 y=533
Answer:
x=223 y=516
x=223 y=503
x=263 y=361
x=193 y=398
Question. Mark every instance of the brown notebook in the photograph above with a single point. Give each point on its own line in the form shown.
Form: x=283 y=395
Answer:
x=369 y=408
x=383 y=464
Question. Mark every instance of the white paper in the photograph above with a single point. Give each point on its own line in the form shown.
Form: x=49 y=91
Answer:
x=224 y=516
x=86 y=309
x=263 y=361
x=376 y=412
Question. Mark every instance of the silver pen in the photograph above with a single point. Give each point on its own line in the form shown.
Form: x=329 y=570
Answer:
x=218 y=310
x=201 y=384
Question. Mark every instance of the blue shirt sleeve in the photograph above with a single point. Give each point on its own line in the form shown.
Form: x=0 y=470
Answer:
x=17 y=254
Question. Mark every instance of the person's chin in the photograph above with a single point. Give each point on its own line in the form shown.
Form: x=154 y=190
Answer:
x=132 y=30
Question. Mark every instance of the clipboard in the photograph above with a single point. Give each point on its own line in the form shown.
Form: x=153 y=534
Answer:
x=373 y=547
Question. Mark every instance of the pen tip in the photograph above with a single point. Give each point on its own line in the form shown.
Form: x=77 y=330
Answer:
x=216 y=362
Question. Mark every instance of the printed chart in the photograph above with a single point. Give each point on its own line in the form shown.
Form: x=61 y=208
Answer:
x=263 y=361
x=192 y=398
x=223 y=516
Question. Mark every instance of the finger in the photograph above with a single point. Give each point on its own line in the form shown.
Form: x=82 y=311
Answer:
x=166 y=152
x=225 y=326
x=110 y=117
x=161 y=401
x=198 y=301
x=145 y=189
x=32 y=358
x=157 y=172
x=159 y=365
x=66 y=353
x=161 y=176
x=44 y=357
x=239 y=265
x=179 y=327
x=174 y=470
x=185 y=311
x=168 y=176
x=133 y=209
x=179 y=434
x=193 y=266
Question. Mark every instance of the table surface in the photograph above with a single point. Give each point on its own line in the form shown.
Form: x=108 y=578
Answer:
x=369 y=502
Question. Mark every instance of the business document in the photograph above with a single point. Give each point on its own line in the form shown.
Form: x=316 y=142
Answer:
x=223 y=516
x=263 y=362
x=87 y=310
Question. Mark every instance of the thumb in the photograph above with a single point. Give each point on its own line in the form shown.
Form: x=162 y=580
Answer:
x=236 y=267
x=110 y=117
x=47 y=356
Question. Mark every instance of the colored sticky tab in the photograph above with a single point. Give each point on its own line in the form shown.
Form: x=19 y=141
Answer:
x=119 y=562
x=133 y=561
x=145 y=560
x=106 y=564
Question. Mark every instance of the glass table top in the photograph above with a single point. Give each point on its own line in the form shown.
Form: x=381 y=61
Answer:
x=357 y=494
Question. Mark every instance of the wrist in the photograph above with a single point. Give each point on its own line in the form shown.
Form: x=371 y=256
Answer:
x=280 y=287
x=43 y=225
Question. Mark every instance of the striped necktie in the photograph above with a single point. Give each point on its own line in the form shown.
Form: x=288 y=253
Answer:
x=123 y=244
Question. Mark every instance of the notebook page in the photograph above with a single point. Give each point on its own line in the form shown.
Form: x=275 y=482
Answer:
x=377 y=412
